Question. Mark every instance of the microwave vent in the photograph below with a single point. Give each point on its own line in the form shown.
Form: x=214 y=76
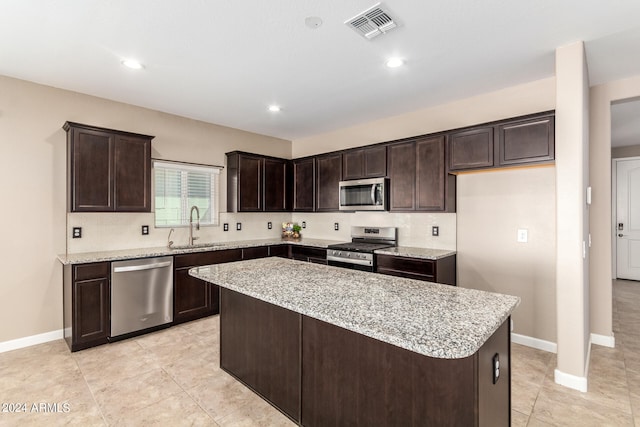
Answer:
x=373 y=22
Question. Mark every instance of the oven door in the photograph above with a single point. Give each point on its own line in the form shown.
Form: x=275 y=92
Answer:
x=348 y=264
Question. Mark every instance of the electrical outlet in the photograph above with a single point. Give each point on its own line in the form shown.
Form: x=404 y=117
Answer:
x=336 y=226
x=304 y=224
x=496 y=367
x=435 y=230
x=145 y=230
x=269 y=225
x=225 y=227
x=77 y=232
x=238 y=226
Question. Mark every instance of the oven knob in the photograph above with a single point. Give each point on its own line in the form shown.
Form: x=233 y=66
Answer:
x=348 y=255
x=339 y=253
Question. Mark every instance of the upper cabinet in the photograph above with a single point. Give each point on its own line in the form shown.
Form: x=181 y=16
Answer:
x=527 y=141
x=515 y=142
x=328 y=177
x=257 y=183
x=417 y=176
x=369 y=162
x=108 y=170
x=471 y=149
x=304 y=184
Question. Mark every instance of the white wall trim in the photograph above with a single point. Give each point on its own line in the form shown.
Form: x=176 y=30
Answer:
x=571 y=381
x=534 y=342
x=31 y=340
x=603 y=340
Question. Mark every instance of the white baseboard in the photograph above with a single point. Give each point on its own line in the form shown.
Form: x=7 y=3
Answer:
x=534 y=342
x=571 y=381
x=32 y=340
x=603 y=340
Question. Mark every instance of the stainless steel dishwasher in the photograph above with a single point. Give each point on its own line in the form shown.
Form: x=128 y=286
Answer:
x=141 y=294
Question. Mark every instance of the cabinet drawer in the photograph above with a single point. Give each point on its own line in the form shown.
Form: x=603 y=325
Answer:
x=302 y=252
x=255 y=252
x=406 y=265
x=96 y=270
x=205 y=258
x=279 y=250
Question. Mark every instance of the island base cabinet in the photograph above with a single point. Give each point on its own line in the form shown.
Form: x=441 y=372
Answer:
x=320 y=374
x=260 y=346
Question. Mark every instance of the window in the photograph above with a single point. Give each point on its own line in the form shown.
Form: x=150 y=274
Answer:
x=178 y=187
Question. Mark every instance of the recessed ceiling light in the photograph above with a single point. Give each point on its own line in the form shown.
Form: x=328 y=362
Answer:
x=313 y=22
x=395 y=62
x=274 y=108
x=133 y=64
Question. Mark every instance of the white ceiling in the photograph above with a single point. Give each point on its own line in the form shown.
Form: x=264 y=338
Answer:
x=225 y=61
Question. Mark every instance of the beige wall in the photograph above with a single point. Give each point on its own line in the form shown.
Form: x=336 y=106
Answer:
x=514 y=101
x=628 y=151
x=572 y=279
x=492 y=206
x=33 y=172
x=600 y=178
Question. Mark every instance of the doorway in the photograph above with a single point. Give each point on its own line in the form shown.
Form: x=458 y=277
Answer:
x=627 y=218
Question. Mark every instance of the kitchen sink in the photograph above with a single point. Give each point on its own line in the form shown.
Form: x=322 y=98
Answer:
x=195 y=246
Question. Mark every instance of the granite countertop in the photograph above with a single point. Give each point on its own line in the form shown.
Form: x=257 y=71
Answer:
x=411 y=252
x=431 y=319
x=87 y=257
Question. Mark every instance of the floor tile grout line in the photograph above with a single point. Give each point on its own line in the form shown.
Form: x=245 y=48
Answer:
x=86 y=383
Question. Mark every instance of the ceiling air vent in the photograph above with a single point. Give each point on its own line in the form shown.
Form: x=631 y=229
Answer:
x=372 y=22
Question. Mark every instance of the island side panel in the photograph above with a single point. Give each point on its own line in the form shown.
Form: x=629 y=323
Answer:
x=494 y=400
x=350 y=379
x=260 y=346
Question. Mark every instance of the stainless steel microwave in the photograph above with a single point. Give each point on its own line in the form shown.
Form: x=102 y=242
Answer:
x=364 y=195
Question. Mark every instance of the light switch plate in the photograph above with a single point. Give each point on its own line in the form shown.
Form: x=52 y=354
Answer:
x=225 y=227
x=435 y=230
x=304 y=224
x=238 y=226
x=145 y=230
x=269 y=225
x=336 y=226
x=523 y=235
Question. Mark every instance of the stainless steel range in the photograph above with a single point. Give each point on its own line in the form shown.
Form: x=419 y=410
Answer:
x=358 y=254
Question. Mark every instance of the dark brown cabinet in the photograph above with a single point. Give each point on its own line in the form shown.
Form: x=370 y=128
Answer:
x=328 y=177
x=193 y=298
x=508 y=143
x=257 y=183
x=309 y=254
x=86 y=295
x=304 y=184
x=442 y=270
x=471 y=149
x=255 y=252
x=417 y=176
x=527 y=141
x=108 y=170
x=279 y=251
x=370 y=162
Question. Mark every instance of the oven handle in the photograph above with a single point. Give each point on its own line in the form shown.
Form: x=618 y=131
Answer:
x=373 y=194
x=350 y=261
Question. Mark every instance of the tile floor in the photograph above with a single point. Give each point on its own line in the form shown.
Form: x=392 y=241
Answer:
x=172 y=378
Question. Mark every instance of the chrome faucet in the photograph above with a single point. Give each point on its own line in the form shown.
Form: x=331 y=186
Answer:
x=169 y=241
x=191 y=238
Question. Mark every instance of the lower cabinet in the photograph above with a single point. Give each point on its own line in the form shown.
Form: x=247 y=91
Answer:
x=255 y=252
x=193 y=299
x=442 y=270
x=309 y=254
x=86 y=295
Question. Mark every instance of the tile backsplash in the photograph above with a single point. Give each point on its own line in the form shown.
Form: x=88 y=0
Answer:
x=115 y=231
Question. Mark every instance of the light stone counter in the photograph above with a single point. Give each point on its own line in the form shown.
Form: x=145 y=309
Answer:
x=431 y=319
x=411 y=252
x=87 y=257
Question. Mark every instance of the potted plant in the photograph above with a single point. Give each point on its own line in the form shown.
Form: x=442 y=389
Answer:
x=296 y=231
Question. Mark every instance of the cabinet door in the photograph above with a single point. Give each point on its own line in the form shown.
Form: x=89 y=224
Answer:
x=249 y=183
x=91 y=308
x=192 y=297
x=132 y=190
x=91 y=170
x=328 y=177
x=471 y=149
x=304 y=185
x=375 y=162
x=526 y=141
x=255 y=252
x=402 y=176
x=353 y=164
x=275 y=185
x=430 y=174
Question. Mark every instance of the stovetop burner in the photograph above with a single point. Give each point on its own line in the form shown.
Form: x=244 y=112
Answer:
x=360 y=246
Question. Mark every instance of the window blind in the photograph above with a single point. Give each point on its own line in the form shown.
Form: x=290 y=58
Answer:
x=178 y=187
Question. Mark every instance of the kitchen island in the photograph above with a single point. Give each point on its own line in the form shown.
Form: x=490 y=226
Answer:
x=333 y=346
